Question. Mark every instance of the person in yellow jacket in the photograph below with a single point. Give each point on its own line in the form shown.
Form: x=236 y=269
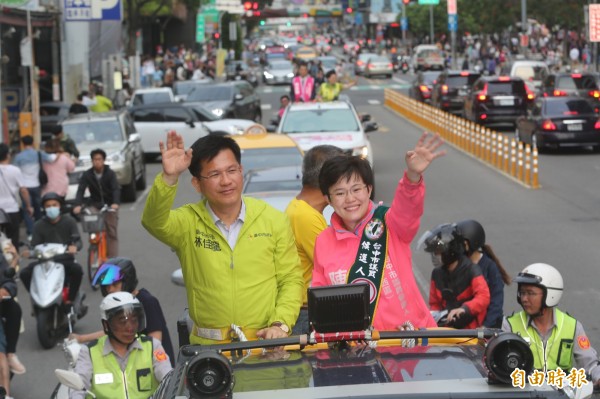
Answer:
x=237 y=254
x=557 y=340
x=331 y=89
x=123 y=363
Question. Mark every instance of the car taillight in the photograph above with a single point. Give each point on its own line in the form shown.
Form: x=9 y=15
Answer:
x=548 y=125
x=359 y=63
x=483 y=116
x=371 y=66
x=504 y=78
x=424 y=88
x=464 y=73
x=481 y=96
x=594 y=93
x=597 y=125
x=559 y=93
x=390 y=65
x=576 y=75
x=530 y=96
x=445 y=89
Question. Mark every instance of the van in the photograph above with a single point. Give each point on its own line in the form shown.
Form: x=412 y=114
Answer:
x=427 y=57
x=532 y=72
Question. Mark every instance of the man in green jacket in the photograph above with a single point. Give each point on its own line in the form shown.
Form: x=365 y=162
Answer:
x=557 y=340
x=237 y=254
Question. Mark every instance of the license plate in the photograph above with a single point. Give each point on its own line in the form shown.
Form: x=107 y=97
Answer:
x=506 y=102
x=575 y=127
x=462 y=92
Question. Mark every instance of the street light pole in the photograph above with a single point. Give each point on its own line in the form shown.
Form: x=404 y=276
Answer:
x=35 y=93
x=431 y=24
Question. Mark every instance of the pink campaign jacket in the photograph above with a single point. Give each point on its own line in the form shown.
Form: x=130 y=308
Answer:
x=400 y=299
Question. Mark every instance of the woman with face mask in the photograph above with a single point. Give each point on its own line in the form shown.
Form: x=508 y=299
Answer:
x=457 y=284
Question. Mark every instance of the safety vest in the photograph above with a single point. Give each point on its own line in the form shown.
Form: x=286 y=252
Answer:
x=109 y=381
x=558 y=350
x=330 y=92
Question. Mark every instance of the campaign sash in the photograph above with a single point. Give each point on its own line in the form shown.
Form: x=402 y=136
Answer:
x=303 y=92
x=371 y=258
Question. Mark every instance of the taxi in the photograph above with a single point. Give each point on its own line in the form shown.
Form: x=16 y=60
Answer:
x=262 y=150
x=306 y=53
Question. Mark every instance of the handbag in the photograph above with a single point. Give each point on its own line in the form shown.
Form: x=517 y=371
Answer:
x=42 y=176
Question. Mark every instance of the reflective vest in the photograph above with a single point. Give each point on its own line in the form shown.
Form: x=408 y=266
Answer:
x=109 y=381
x=330 y=92
x=558 y=350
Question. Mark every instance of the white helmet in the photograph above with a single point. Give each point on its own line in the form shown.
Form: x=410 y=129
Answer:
x=122 y=303
x=547 y=278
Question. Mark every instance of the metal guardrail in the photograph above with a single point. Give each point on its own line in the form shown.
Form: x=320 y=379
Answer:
x=508 y=156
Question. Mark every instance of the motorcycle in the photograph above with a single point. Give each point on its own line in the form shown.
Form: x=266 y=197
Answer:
x=68 y=379
x=48 y=294
x=404 y=67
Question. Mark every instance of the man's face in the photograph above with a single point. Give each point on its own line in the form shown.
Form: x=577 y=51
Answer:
x=125 y=326
x=98 y=162
x=221 y=180
x=531 y=298
x=114 y=287
x=303 y=71
x=284 y=102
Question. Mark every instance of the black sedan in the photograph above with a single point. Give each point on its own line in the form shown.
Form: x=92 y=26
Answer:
x=451 y=89
x=560 y=122
x=423 y=85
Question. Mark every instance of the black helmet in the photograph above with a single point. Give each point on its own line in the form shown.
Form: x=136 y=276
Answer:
x=116 y=269
x=444 y=241
x=52 y=196
x=472 y=232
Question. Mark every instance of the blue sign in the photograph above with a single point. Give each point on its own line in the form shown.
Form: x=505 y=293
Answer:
x=358 y=18
x=93 y=10
x=452 y=22
x=385 y=6
x=404 y=23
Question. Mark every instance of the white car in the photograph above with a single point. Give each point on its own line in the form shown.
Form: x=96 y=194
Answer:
x=334 y=123
x=152 y=96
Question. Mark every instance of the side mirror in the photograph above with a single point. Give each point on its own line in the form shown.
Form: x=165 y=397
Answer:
x=177 y=278
x=190 y=123
x=370 y=126
x=365 y=117
x=134 y=137
x=127 y=103
x=271 y=128
x=238 y=97
x=71 y=379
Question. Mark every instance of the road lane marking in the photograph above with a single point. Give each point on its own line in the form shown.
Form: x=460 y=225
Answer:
x=265 y=107
x=141 y=198
x=402 y=81
x=374 y=102
x=383 y=129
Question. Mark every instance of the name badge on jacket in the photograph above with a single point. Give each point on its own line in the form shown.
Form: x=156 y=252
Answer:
x=104 y=378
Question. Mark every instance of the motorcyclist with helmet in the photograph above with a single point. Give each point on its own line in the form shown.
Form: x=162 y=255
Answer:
x=123 y=363
x=457 y=284
x=59 y=228
x=119 y=274
x=556 y=338
x=495 y=275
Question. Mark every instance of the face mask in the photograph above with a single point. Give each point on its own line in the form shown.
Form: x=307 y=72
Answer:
x=436 y=260
x=52 y=212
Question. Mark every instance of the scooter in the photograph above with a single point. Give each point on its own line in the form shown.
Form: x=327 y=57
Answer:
x=48 y=294
x=68 y=379
x=404 y=67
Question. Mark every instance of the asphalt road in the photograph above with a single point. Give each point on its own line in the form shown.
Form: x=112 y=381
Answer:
x=557 y=224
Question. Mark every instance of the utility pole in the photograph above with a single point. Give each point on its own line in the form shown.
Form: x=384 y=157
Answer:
x=523 y=24
x=431 y=24
x=35 y=92
x=403 y=27
x=55 y=58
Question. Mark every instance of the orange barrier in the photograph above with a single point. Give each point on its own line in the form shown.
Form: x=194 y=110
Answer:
x=500 y=152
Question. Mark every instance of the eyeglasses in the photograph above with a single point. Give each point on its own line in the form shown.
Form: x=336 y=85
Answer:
x=529 y=293
x=230 y=172
x=355 y=191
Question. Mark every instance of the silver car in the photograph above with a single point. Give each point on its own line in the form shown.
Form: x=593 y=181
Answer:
x=115 y=133
x=379 y=65
x=278 y=72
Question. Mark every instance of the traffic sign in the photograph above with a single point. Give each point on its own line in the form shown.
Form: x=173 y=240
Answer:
x=429 y=2
x=452 y=7
x=93 y=10
x=200 y=28
x=452 y=22
x=594 y=23
x=404 y=23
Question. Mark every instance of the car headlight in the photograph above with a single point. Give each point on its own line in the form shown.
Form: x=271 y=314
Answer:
x=268 y=75
x=217 y=111
x=363 y=151
x=116 y=157
x=290 y=75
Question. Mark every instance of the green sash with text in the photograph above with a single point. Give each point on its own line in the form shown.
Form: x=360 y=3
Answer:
x=371 y=258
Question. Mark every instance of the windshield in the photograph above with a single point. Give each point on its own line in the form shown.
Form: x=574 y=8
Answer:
x=151 y=98
x=184 y=87
x=510 y=88
x=460 y=81
x=203 y=114
x=211 y=93
x=281 y=65
x=568 y=107
x=429 y=78
x=573 y=83
x=94 y=132
x=379 y=59
x=320 y=120
x=261 y=158
x=275 y=185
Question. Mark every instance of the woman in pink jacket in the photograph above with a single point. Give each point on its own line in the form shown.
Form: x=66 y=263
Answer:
x=57 y=171
x=371 y=244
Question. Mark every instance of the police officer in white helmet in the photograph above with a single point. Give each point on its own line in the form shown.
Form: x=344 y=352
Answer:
x=556 y=339
x=123 y=363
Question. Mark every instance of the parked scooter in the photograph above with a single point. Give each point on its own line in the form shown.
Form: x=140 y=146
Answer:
x=48 y=294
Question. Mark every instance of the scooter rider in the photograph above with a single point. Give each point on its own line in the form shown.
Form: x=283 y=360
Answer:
x=556 y=338
x=123 y=363
x=62 y=229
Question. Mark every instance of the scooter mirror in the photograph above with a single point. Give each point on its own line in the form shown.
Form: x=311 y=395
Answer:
x=177 y=278
x=70 y=379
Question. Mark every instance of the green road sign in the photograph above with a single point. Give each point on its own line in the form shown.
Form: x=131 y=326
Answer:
x=200 y=28
x=429 y=2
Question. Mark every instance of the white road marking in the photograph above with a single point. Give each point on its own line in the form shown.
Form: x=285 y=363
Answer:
x=141 y=198
x=265 y=107
x=267 y=90
x=374 y=102
x=354 y=88
x=373 y=87
x=404 y=82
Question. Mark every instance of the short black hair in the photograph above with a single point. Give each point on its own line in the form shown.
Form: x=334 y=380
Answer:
x=302 y=63
x=329 y=73
x=284 y=96
x=313 y=162
x=27 y=140
x=57 y=129
x=208 y=147
x=98 y=151
x=4 y=151
x=344 y=166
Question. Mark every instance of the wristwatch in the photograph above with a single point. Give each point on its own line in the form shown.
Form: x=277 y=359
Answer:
x=279 y=324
